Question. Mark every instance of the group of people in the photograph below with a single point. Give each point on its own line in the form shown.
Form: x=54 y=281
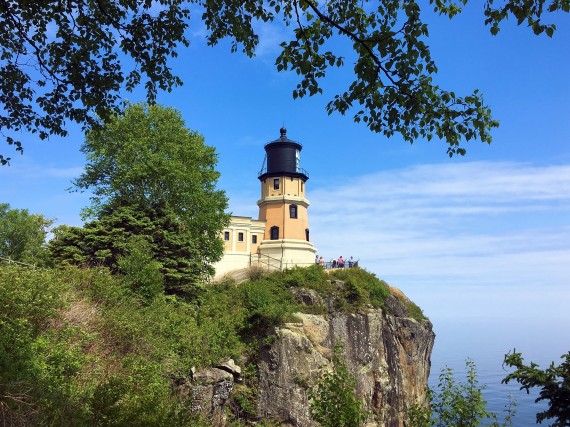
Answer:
x=335 y=263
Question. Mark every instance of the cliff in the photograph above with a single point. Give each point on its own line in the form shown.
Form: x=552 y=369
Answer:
x=387 y=352
x=386 y=349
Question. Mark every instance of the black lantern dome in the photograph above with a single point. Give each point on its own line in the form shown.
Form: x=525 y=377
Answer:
x=283 y=159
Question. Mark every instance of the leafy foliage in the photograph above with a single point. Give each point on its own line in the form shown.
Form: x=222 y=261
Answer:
x=150 y=177
x=362 y=287
x=34 y=361
x=78 y=347
x=23 y=235
x=70 y=62
x=529 y=11
x=359 y=287
x=82 y=346
x=267 y=304
x=312 y=277
x=333 y=401
x=554 y=383
x=146 y=156
x=457 y=403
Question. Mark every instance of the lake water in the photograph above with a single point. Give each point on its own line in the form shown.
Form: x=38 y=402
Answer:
x=486 y=341
x=484 y=322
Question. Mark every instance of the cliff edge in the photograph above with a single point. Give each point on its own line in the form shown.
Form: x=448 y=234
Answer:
x=386 y=350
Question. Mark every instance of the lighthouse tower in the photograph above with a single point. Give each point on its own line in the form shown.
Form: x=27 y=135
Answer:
x=283 y=205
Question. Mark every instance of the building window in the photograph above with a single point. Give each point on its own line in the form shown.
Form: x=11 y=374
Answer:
x=240 y=237
x=276 y=184
x=302 y=185
x=293 y=211
x=274 y=233
x=307 y=234
x=254 y=239
x=226 y=236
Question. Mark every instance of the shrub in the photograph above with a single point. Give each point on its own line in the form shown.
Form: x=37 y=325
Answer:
x=362 y=287
x=554 y=384
x=457 y=403
x=267 y=303
x=140 y=269
x=333 y=401
x=255 y=273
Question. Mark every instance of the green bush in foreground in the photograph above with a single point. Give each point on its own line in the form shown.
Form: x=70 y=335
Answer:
x=79 y=347
x=456 y=403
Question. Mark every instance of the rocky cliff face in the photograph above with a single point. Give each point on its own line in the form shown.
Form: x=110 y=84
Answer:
x=387 y=351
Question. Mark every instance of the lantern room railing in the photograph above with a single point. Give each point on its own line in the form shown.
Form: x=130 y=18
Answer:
x=297 y=170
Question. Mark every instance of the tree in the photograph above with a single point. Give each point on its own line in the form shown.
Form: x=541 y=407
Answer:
x=23 y=235
x=333 y=401
x=146 y=156
x=553 y=381
x=108 y=242
x=149 y=176
x=66 y=60
x=141 y=271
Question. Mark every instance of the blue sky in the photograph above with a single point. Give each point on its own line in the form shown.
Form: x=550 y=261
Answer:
x=487 y=234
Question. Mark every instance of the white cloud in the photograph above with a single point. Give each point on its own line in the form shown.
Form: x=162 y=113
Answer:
x=452 y=226
x=468 y=239
x=270 y=37
x=33 y=171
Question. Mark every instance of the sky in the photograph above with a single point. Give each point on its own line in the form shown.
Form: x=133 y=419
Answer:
x=485 y=235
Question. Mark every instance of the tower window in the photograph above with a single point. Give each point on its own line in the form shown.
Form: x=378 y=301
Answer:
x=226 y=236
x=293 y=211
x=274 y=233
x=276 y=184
x=307 y=234
x=254 y=239
x=240 y=237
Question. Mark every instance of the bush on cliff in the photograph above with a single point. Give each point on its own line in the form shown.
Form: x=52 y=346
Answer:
x=87 y=347
x=333 y=401
x=79 y=347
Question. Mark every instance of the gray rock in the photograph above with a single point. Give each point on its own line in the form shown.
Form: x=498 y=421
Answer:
x=208 y=393
x=388 y=354
x=231 y=367
x=307 y=297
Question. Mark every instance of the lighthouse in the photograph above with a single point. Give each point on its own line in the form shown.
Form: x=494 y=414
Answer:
x=283 y=205
x=280 y=237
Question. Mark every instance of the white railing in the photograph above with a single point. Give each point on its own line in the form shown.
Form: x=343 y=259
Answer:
x=11 y=261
